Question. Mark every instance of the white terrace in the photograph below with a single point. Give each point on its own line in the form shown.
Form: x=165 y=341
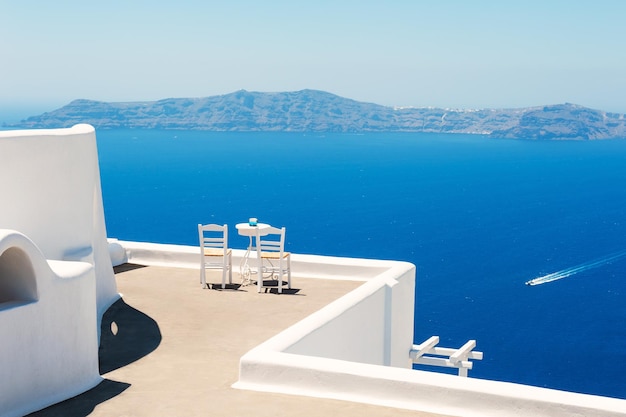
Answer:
x=57 y=281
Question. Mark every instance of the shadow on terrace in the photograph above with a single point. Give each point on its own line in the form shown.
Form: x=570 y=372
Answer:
x=127 y=335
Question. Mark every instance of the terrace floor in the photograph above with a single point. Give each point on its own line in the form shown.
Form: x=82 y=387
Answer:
x=170 y=348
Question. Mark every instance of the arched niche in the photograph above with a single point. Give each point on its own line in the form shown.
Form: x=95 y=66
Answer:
x=18 y=283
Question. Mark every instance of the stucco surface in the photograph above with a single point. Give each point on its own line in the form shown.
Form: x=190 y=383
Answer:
x=53 y=234
x=51 y=193
x=49 y=345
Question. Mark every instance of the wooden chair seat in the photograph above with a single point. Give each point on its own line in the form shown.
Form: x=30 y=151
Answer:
x=216 y=252
x=274 y=255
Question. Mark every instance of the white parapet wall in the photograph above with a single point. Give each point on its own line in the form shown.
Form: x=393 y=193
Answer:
x=306 y=266
x=339 y=353
x=358 y=348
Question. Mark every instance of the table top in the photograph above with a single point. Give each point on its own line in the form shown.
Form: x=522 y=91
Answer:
x=245 y=229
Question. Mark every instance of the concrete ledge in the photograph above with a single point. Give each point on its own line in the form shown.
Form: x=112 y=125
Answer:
x=309 y=266
x=339 y=351
x=414 y=390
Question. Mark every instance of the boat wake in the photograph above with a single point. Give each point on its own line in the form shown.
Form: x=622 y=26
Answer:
x=576 y=269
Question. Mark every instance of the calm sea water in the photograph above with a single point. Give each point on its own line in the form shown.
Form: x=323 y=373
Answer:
x=478 y=217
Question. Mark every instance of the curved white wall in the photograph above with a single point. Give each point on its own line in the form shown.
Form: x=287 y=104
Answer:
x=48 y=327
x=56 y=277
x=50 y=191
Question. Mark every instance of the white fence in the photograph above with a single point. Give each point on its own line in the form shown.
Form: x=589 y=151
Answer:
x=428 y=353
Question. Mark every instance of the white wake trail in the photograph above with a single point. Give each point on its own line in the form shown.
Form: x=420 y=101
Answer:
x=575 y=269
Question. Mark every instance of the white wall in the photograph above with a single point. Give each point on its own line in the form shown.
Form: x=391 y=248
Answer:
x=338 y=351
x=305 y=266
x=56 y=277
x=50 y=191
x=48 y=328
x=373 y=324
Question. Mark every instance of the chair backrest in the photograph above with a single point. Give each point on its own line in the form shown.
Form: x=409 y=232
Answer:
x=213 y=236
x=272 y=241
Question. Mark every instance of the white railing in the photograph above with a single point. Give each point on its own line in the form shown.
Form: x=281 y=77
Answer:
x=428 y=353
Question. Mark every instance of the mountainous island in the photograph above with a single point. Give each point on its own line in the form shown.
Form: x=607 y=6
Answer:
x=319 y=111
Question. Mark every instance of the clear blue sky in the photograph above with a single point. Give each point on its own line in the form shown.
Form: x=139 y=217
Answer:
x=460 y=54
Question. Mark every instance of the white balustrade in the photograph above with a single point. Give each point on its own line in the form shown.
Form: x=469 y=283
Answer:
x=428 y=353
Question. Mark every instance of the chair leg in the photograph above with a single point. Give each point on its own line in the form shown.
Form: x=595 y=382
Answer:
x=203 y=277
x=259 y=277
x=289 y=272
x=230 y=269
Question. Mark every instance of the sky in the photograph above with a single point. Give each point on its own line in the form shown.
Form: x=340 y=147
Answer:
x=450 y=54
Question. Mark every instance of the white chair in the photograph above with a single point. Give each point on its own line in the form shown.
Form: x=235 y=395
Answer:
x=214 y=252
x=270 y=247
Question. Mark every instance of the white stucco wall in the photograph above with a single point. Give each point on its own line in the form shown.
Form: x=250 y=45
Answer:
x=48 y=327
x=373 y=324
x=338 y=351
x=56 y=277
x=303 y=266
x=50 y=191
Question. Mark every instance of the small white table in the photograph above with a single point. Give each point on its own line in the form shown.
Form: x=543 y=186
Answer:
x=245 y=229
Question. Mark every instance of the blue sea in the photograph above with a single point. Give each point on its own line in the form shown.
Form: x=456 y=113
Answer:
x=478 y=217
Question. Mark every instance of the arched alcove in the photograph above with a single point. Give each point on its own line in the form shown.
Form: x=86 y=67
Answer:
x=18 y=283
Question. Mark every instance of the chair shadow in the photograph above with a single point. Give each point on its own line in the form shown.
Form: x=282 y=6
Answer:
x=271 y=286
x=218 y=286
x=126 y=267
x=126 y=335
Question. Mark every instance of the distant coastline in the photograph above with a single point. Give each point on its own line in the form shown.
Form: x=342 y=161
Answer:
x=319 y=111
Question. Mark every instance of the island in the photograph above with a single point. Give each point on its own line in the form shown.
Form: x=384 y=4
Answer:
x=320 y=111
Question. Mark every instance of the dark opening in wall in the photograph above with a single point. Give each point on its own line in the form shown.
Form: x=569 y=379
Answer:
x=17 y=277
